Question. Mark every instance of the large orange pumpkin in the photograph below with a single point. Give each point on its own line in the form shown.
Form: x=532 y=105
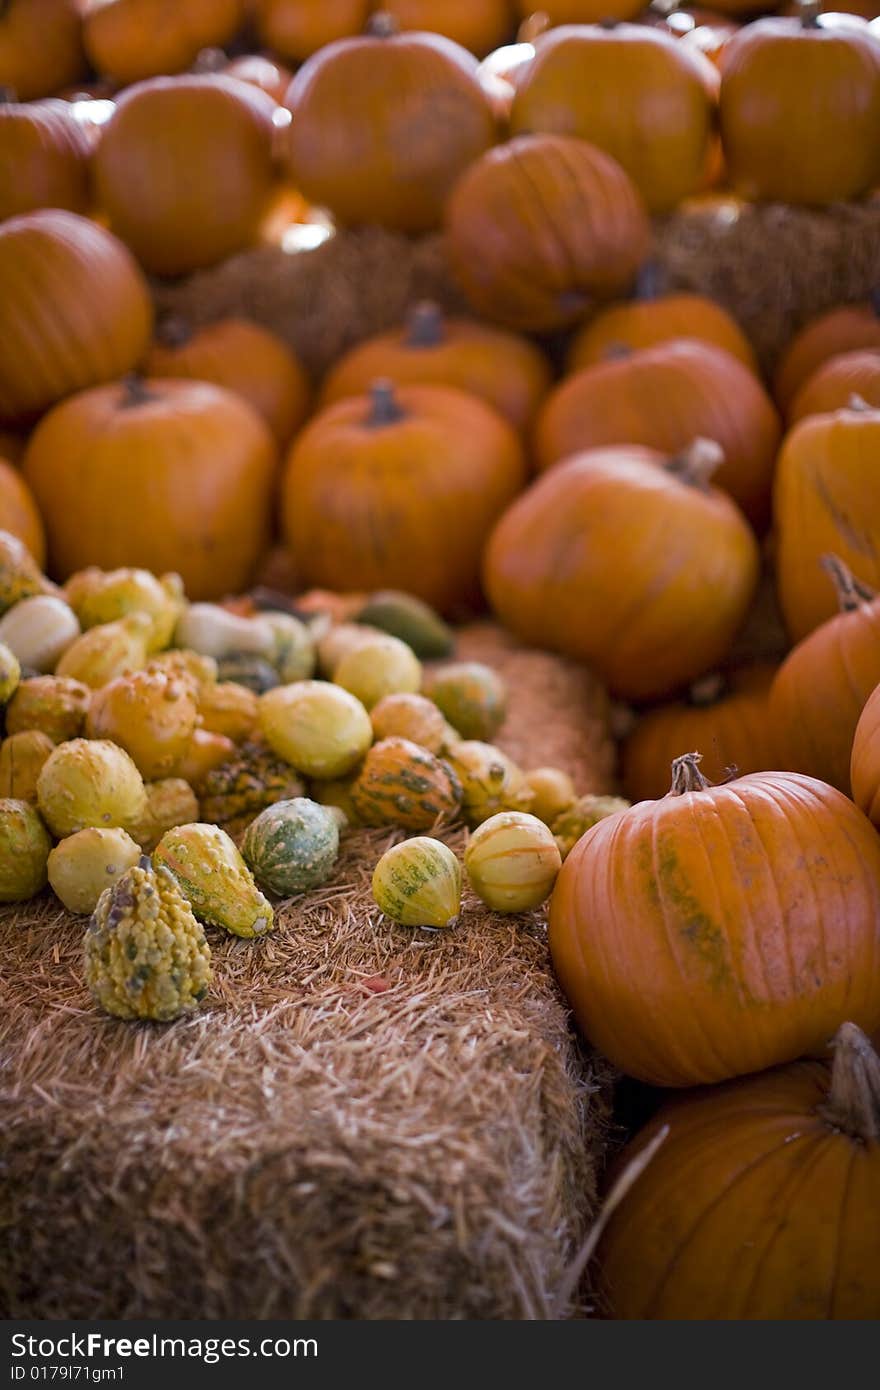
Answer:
x=664 y=397
x=295 y=29
x=833 y=385
x=128 y=40
x=581 y=11
x=762 y=1201
x=166 y=475
x=725 y=716
x=633 y=91
x=543 y=228
x=826 y=501
x=800 y=109
x=400 y=490
x=506 y=371
x=40 y=46
x=865 y=760
x=243 y=357
x=839 y=330
x=184 y=169
x=74 y=310
x=478 y=25
x=706 y=934
x=649 y=320
x=628 y=561
x=384 y=124
x=44 y=157
x=18 y=512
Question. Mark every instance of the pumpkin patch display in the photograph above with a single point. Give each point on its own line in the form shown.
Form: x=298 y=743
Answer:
x=41 y=47
x=44 y=156
x=129 y=40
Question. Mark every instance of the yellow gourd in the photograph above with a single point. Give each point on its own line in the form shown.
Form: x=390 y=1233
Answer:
x=89 y=782
x=107 y=651
x=21 y=760
x=81 y=866
x=418 y=883
x=319 y=728
x=512 y=861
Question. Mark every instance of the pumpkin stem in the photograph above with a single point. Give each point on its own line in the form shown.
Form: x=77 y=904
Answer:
x=851 y=592
x=697 y=463
x=857 y=402
x=533 y=27
x=135 y=391
x=648 y=281
x=173 y=331
x=853 y=1101
x=210 y=60
x=708 y=690
x=425 y=325
x=382 y=25
x=8 y=96
x=608 y=23
x=616 y=350
x=384 y=408
x=686 y=775
x=810 y=11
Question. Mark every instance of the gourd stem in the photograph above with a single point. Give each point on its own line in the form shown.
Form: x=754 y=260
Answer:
x=697 y=463
x=382 y=25
x=648 y=281
x=851 y=592
x=708 y=690
x=425 y=325
x=135 y=391
x=384 y=409
x=853 y=1101
x=810 y=11
x=174 y=331
x=686 y=775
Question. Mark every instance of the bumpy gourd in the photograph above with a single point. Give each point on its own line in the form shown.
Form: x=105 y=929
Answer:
x=403 y=784
x=547 y=792
x=214 y=631
x=407 y=617
x=240 y=788
x=319 y=728
x=89 y=782
x=21 y=760
x=170 y=801
x=204 y=752
x=418 y=883
x=294 y=656
x=214 y=879
x=24 y=851
x=230 y=709
x=292 y=846
x=110 y=650
x=382 y=666
x=512 y=861
x=580 y=816
x=201 y=670
x=103 y=596
x=472 y=696
x=150 y=715
x=81 y=866
x=10 y=673
x=145 y=954
x=491 y=782
x=39 y=630
x=56 y=705
x=20 y=575
x=413 y=717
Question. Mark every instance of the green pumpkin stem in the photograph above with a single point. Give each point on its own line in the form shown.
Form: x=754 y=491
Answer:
x=686 y=775
x=425 y=326
x=852 y=593
x=696 y=464
x=384 y=407
x=853 y=1101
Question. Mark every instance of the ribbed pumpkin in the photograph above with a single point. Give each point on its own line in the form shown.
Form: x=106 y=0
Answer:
x=400 y=490
x=499 y=219
x=383 y=125
x=170 y=475
x=40 y=46
x=74 y=310
x=298 y=28
x=243 y=357
x=129 y=40
x=685 y=938
x=822 y=686
x=783 y=80
x=664 y=397
x=825 y=501
x=833 y=385
x=629 y=562
x=403 y=784
x=43 y=158
x=184 y=169
x=506 y=371
x=18 y=512
x=651 y=319
x=726 y=717
x=844 y=329
x=633 y=91
x=478 y=25
x=762 y=1202
x=865 y=759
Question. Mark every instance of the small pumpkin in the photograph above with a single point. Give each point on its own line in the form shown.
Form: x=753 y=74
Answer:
x=865 y=759
x=107 y=651
x=338 y=640
x=40 y=46
x=650 y=319
x=292 y=846
x=214 y=879
x=575 y=820
x=89 y=782
x=381 y=666
x=490 y=780
x=150 y=715
x=170 y=801
x=128 y=40
x=200 y=671
x=81 y=866
x=471 y=695
x=834 y=384
x=298 y=28
x=54 y=705
x=414 y=622
x=478 y=27
x=318 y=728
x=24 y=851
x=512 y=861
x=44 y=153
x=413 y=717
x=418 y=883
x=102 y=596
x=39 y=630
x=403 y=784
x=21 y=760
x=847 y=328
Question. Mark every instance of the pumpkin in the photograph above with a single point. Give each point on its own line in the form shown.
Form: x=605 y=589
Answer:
x=784 y=80
x=184 y=169
x=24 y=851
x=403 y=784
x=243 y=357
x=400 y=490
x=664 y=397
x=418 y=883
x=512 y=861
x=298 y=28
x=726 y=716
x=291 y=846
x=634 y=92
x=478 y=25
x=198 y=466
x=383 y=124
x=271 y=77
x=40 y=46
x=414 y=622
x=490 y=780
x=762 y=1202
x=682 y=934
x=107 y=651
x=44 y=156
x=507 y=199
x=580 y=11
x=318 y=728
x=21 y=760
x=128 y=40
x=832 y=385
x=89 y=782
x=647 y=626
x=55 y=705
x=81 y=866
x=844 y=329
x=170 y=801
x=471 y=695
x=865 y=759
x=101 y=596
x=39 y=630
x=74 y=310
x=214 y=879
x=412 y=717
x=380 y=667
x=825 y=501
x=506 y=371
x=18 y=512
x=150 y=715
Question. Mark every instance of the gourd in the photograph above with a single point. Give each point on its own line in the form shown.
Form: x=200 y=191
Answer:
x=338 y=640
x=294 y=655
x=842 y=329
x=379 y=667
x=413 y=717
x=39 y=630
x=291 y=846
x=107 y=651
x=21 y=759
x=24 y=850
x=318 y=728
x=18 y=511
x=685 y=900
x=414 y=622
x=128 y=40
x=230 y=709
x=214 y=631
x=55 y=705
x=337 y=794
x=44 y=155
x=834 y=384
x=255 y=673
x=81 y=866
x=171 y=801
x=40 y=46
x=547 y=793
x=204 y=752
x=149 y=714
x=651 y=319
x=472 y=697
x=89 y=782
x=403 y=784
x=512 y=861
x=418 y=883
x=201 y=671
x=145 y=954
x=10 y=673
x=20 y=575
x=575 y=820
x=490 y=780
x=101 y=596
x=214 y=879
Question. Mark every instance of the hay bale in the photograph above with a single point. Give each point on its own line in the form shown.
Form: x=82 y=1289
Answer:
x=362 y=1121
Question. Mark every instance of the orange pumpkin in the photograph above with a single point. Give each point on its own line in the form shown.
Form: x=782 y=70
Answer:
x=664 y=397
x=543 y=228
x=243 y=357
x=840 y=330
x=43 y=158
x=128 y=40
x=833 y=385
x=686 y=941
x=40 y=46
x=400 y=491
x=12 y=445
x=295 y=29
x=504 y=370
x=725 y=716
x=631 y=90
x=581 y=11
x=184 y=169
x=628 y=561
x=478 y=25
x=782 y=82
x=74 y=310
x=18 y=512
x=762 y=1202
x=825 y=501
x=865 y=759
x=166 y=475
x=384 y=124
x=271 y=77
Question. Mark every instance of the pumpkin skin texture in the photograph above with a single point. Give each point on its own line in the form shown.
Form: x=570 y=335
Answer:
x=572 y=566
x=782 y=81
x=298 y=28
x=664 y=397
x=686 y=943
x=843 y=329
x=643 y=323
x=451 y=466
x=659 y=134
x=833 y=385
x=19 y=514
x=865 y=761
x=44 y=156
x=478 y=25
x=184 y=170
x=825 y=501
x=198 y=468
x=542 y=228
x=383 y=125
x=129 y=40
x=74 y=310
x=40 y=46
